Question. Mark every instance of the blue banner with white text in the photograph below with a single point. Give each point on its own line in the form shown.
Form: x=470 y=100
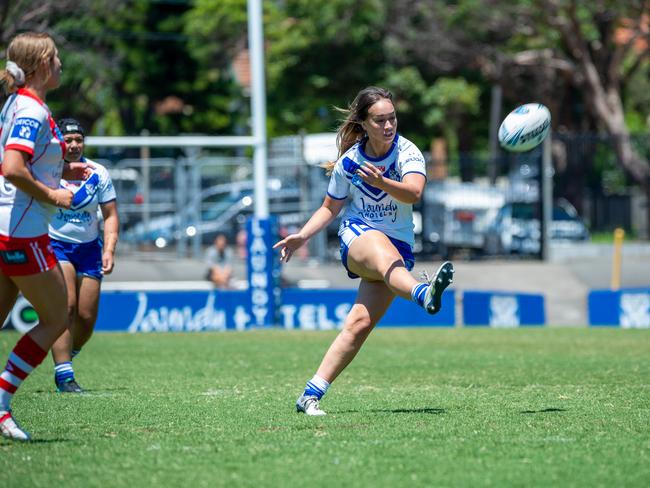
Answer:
x=221 y=310
x=164 y=311
x=626 y=308
x=263 y=271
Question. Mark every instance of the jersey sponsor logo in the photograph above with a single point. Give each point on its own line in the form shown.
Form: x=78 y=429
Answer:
x=17 y=256
x=413 y=158
x=69 y=217
x=379 y=211
x=25 y=128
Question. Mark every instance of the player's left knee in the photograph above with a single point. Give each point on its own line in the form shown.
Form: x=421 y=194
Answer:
x=85 y=319
x=359 y=326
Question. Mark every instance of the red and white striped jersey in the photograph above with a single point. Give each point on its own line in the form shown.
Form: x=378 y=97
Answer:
x=26 y=125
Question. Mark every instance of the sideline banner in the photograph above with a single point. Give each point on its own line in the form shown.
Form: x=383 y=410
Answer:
x=326 y=309
x=217 y=310
x=627 y=308
x=160 y=311
x=500 y=309
x=263 y=271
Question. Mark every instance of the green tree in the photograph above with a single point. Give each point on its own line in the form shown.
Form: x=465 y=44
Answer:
x=554 y=51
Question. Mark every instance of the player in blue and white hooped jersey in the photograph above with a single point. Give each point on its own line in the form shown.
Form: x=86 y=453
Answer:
x=382 y=174
x=85 y=258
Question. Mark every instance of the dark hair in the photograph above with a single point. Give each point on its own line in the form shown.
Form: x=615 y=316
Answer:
x=350 y=130
x=70 y=126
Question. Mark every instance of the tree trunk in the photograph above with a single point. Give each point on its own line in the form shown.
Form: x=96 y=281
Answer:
x=646 y=190
x=609 y=110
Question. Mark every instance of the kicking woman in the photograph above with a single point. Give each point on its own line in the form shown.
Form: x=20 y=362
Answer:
x=384 y=175
x=84 y=257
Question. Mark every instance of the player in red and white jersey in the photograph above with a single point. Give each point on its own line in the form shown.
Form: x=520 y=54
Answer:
x=31 y=150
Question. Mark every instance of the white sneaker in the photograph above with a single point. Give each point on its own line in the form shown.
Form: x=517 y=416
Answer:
x=309 y=405
x=10 y=429
x=441 y=280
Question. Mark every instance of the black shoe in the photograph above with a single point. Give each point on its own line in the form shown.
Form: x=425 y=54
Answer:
x=69 y=387
x=441 y=280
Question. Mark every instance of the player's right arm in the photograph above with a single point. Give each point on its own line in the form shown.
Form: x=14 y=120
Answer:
x=320 y=219
x=15 y=170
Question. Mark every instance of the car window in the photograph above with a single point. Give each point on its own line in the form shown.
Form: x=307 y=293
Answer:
x=523 y=211
x=561 y=214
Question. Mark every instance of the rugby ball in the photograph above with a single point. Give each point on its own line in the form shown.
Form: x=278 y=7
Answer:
x=525 y=127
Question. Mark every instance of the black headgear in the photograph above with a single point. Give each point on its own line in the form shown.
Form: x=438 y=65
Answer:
x=70 y=126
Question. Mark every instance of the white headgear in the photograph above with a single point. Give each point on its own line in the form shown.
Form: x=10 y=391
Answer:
x=17 y=72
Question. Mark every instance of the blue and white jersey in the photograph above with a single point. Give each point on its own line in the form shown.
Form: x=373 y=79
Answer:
x=80 y=223
x=372 y=205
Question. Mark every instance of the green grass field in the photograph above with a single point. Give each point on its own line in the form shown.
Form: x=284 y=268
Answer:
x=461 y=407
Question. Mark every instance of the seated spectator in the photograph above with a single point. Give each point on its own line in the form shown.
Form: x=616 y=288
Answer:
x=219 y=260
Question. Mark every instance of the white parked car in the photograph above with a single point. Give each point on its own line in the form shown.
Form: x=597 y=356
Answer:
x=516 y=228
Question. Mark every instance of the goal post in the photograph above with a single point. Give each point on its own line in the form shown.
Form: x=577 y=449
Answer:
x=264 y=289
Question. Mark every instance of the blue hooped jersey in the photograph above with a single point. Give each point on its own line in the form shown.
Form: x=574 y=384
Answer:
x=80 y=223
x=372 y=205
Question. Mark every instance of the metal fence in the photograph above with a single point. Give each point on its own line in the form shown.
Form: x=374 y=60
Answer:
x=179 y=199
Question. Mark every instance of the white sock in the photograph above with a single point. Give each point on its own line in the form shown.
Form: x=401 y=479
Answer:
x=317 y=386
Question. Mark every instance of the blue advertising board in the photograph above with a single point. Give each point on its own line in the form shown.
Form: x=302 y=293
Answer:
x=216 y=310
x=326 y=309
x=263 y=271
x=628 y=308
x=502 y=309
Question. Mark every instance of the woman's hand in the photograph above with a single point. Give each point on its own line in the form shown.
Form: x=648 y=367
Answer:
x=289 y=245
x=371 y=174
x=61 y=197
x=107 y=262
x=77 y=171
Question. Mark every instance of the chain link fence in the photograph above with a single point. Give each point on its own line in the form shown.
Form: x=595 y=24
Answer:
x=176 y=200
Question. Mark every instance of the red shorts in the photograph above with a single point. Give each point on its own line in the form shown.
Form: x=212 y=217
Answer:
x=20 y=256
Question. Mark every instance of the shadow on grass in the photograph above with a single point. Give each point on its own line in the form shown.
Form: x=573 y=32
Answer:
x=545 y=410
x=427 y=410
x=7 y=442
x=90 y=391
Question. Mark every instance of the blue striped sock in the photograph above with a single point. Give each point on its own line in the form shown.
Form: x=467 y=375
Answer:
x=63 y=372
x=317 y=387
x=418 y=293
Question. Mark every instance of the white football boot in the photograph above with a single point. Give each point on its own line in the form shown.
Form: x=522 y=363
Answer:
x=309 y=405
x=10 y=429
x=441 y=280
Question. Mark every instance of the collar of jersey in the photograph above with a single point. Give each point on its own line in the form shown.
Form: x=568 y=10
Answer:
x=362 y=144
x=26 y=93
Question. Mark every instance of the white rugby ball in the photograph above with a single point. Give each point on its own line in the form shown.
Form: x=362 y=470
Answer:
x=525 y=127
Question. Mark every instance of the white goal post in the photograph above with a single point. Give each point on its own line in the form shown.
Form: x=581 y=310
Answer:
x=258 y=109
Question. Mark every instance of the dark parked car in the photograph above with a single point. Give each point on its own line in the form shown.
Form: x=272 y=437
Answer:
x=220 y=205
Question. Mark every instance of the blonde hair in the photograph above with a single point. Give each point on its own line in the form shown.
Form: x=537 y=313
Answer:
x=350 y=131
x=29 y=51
